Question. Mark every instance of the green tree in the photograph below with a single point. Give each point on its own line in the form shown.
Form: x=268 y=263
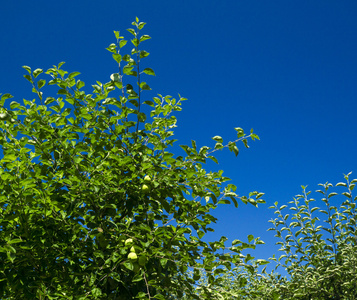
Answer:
x=93 y=204
x=320 y=257
x=319 y=246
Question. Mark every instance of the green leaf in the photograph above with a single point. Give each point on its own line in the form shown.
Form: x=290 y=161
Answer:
x=240 y=132
x=115 y=77
x=132 y=31
x=135 y=42
x=28 y=69
x=235 y=242
x=200 y=234
x=96 y=292
x=15 y=241
x=77 y=159
x=224 y=201
x=149 y=71
x=41 y=83
x=137 y=278
x=259 y=195
x=163 y=262
x=49 y=100
x=117 y=58
x=203 y=150
x=213 y=158
x=314 y=209
x=5 y=97
x=134 y=102
x=29 y=78
x=218 y=146
x=233 y=147
x=79 y=84
x=129 y=265
x=73 y=74
x=145 y=86
x=62 y=92
x=37 y=72
x=126 y=57
x=218 y=139
x=141 y=25
x=254 y=136
x=14 y=104
x=235 y=202
x=245 y=142
x=127 y=70
x=10 y=249
x=143 y=54
x=144 y=38
x=11 y=256
x=150 y=103
x=112 y=48
x=122 y=43
x=9 y=158
x=262 y=262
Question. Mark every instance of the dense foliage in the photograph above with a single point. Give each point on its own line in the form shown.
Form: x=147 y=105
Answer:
x=320 y=251
x=93 y=203
x=320 y=257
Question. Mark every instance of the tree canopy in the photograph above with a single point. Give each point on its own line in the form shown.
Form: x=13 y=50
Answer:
x=93 y=203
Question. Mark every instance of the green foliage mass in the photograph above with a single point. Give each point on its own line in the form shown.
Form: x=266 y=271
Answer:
x=320 y=252
x=88 y=178
x=320 y=257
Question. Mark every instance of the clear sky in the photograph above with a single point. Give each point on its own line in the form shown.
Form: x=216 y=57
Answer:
x=288 y=69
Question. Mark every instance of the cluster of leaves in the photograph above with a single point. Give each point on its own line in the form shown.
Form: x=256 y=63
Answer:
x=240 y=282
x=93 y=204
x=320 y=257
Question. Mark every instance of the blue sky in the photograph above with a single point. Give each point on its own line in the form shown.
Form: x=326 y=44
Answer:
x=288 y=69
